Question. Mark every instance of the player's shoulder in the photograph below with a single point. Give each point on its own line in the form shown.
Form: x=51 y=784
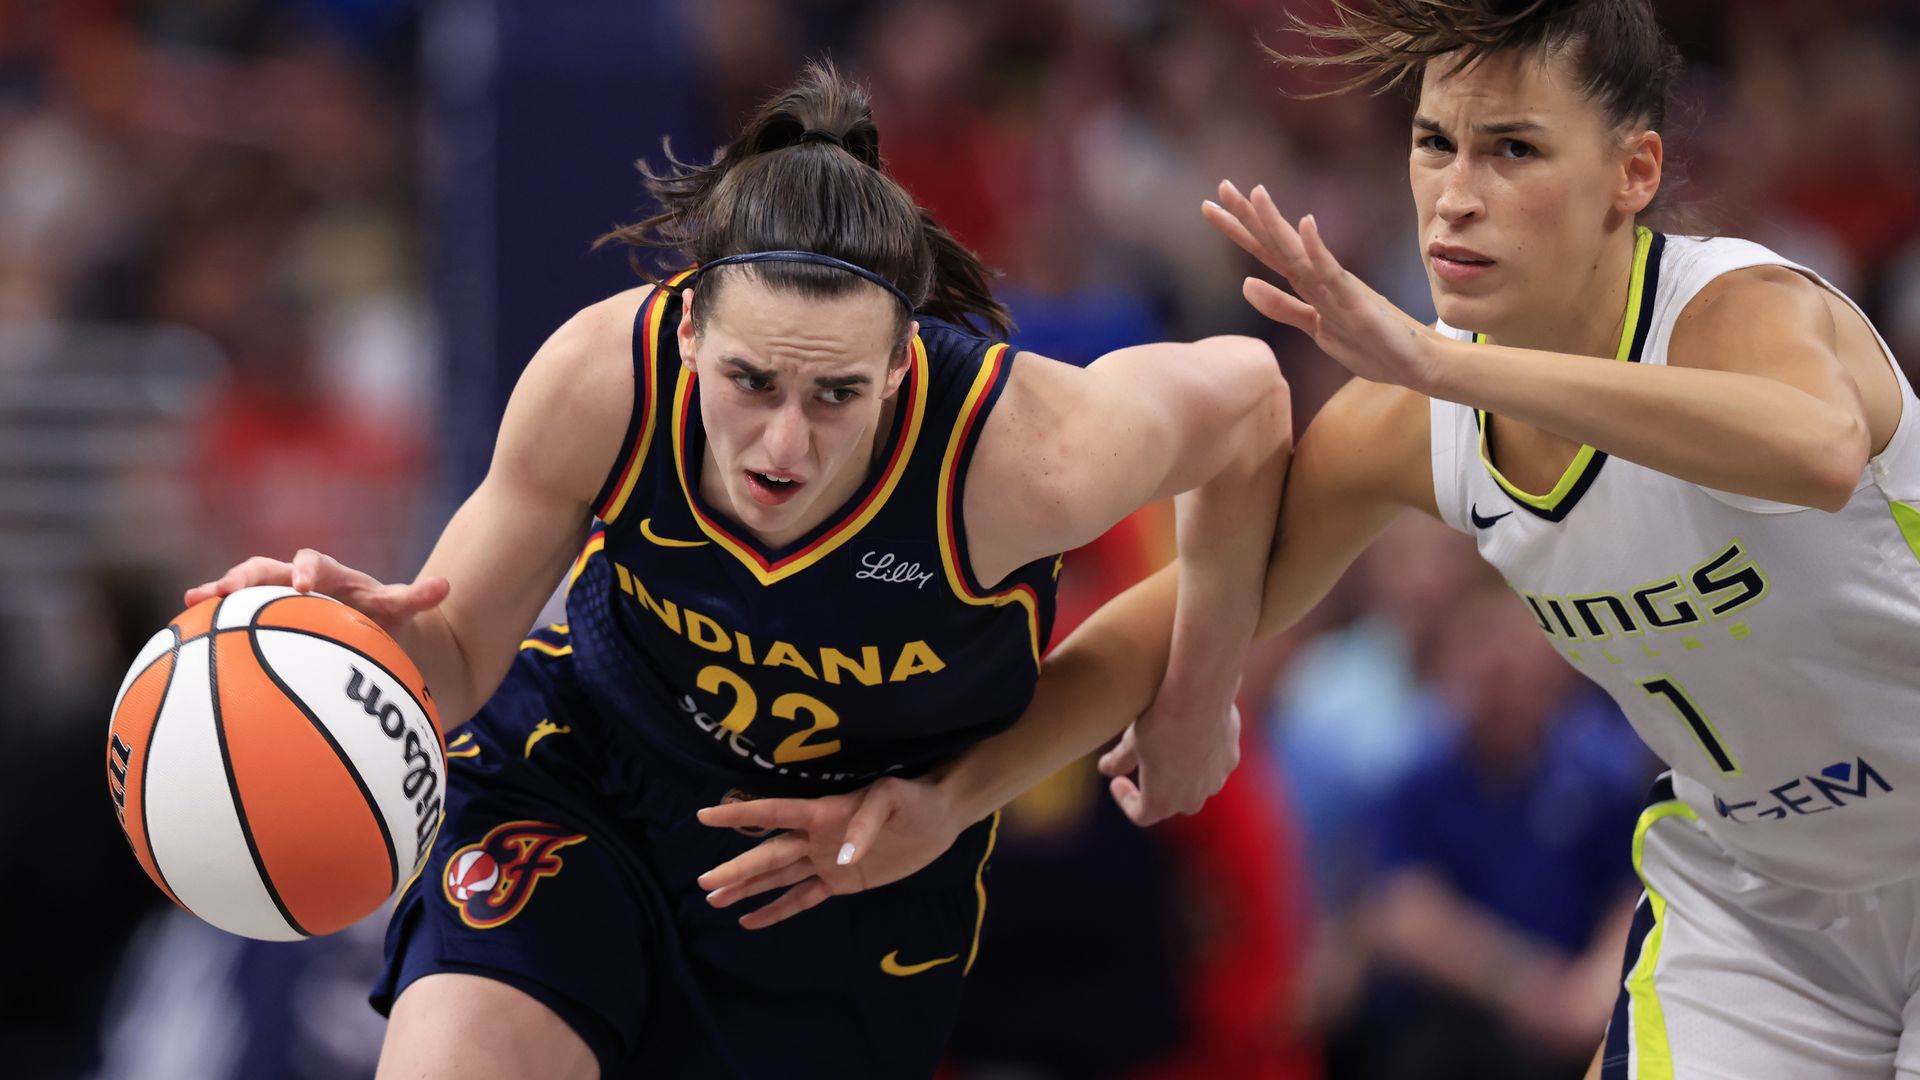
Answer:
x=952 y=340
x=961 y=362
x=593 y=348
x=603 y=326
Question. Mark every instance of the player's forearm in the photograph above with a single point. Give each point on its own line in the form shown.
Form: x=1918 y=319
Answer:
x=1095 y=684
x=458 y=687
x=1742 y=433
x=1225 y=529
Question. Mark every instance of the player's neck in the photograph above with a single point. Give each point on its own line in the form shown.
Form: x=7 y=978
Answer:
x=1592 y=323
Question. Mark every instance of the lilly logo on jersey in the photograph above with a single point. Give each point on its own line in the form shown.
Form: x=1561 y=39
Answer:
x=490 y=882
x=1812 y=794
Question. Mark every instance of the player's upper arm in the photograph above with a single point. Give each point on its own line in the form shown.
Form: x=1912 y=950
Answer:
x=1773 y=322
x=508 y=545
x=1363 y=458
x=1069 y=451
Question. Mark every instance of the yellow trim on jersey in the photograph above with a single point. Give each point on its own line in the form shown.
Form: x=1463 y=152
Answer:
x=1648 y=1024
x=455 y=749
x=1637 y=279
x=946 y=513
x=769 y=573
x=1908 y=519
x=596 y=542
x=551 y=648
x=637 y=453
x=980 y=890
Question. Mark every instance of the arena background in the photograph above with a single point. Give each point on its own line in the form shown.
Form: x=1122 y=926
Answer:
x=268 y=271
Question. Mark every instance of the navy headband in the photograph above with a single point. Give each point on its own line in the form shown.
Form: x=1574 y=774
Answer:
x=813 y=257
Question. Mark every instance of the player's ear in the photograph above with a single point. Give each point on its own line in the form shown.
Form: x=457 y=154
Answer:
x=897 y=367
x=1640 y=172
x=687 y=333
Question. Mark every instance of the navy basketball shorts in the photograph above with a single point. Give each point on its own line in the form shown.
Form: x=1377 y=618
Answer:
x=567 y=867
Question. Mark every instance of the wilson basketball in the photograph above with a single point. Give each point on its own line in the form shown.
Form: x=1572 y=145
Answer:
x=276 y=763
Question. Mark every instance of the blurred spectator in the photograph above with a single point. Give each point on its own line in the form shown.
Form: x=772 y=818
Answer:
x=1356 y=709
x=1505 y=888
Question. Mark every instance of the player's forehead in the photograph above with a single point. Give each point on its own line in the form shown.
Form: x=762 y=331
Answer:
x=1534 y=86
x=785 y=329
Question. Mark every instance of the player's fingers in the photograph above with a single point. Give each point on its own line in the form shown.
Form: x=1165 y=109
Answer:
x=1279 y=236
x=779 y=878
x=1128 y=797
x=315 y=572
x=760 y=814
x=1123 y=759
x=764 y=857
x=259 y=570
x=1270 y=245
x=790 y=903
x=395 y=602
x=1233 y=229
x=1279 y=305
x=864 y=827
x=1318 y=254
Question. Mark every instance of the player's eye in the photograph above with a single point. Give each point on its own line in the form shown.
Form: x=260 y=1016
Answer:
x=752 y=384
x=838 y=395
x=1514 y=148
x=1435 y=144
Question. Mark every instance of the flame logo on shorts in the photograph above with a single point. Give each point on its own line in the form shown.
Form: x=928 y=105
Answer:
x=491 y=881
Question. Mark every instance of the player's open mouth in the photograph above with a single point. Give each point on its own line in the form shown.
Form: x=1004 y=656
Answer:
x=772 y=489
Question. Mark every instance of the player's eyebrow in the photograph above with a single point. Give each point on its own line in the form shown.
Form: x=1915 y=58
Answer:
x=1505 y=127
x=740 y=366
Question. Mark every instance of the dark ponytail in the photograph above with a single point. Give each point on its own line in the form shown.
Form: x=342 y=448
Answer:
x=805 y=174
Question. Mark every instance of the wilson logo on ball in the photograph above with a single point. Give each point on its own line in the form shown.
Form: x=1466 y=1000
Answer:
x=422 y=784
x=490 y=882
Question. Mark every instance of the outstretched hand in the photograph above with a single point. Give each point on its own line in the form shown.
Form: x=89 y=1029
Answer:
x=832 y=846
x=310 y=571
x=1349 y=321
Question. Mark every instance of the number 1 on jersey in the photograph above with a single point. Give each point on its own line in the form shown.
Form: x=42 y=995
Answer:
x=1697 y=721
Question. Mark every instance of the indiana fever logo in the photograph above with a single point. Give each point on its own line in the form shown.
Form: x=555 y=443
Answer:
x=491 y=881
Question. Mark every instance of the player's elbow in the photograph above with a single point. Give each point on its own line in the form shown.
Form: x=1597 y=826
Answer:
x=1251 y=396
x=1834 y=463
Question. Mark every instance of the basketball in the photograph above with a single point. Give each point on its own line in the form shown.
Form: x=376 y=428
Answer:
x=276 y=763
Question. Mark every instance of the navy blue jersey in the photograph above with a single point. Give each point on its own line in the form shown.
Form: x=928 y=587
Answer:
x=864 y=647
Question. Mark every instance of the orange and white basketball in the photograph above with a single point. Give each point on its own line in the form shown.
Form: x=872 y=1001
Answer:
x=277 y=763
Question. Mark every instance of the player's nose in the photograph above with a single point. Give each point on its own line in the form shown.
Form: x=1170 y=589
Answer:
x=1459 y=197
x=785 y=437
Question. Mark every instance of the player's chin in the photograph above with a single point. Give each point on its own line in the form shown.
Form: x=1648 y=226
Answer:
x=1475 y=308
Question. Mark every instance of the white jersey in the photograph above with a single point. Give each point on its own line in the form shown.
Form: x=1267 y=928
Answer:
x=1769 y=653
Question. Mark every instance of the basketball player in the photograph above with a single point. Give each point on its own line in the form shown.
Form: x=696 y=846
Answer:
x=1694 y=461
x=812 y=522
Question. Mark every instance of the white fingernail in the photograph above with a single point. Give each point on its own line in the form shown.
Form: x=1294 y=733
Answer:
x=846 y=854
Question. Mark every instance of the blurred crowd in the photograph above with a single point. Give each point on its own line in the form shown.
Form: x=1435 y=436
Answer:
x=214 y=235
